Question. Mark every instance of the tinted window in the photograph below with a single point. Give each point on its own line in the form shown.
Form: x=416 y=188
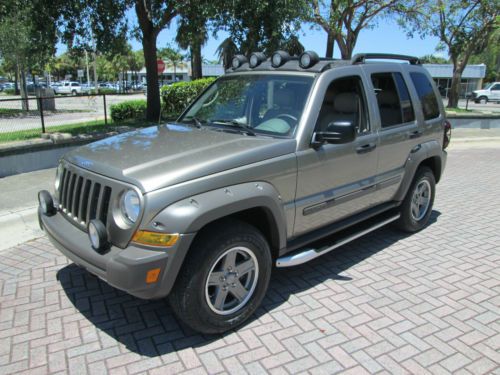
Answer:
x=496 y=87
x=426 y=94
x=344 y=101
x=269 y=104
x=393 y=99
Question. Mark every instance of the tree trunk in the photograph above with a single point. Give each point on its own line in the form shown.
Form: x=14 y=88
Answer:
x=454 y=92
x=196 y=71
x=330 y=43
x=153 y=99
x=24 y=91
x=16 y=81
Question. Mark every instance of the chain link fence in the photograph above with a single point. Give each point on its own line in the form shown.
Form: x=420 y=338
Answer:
x=29 y=118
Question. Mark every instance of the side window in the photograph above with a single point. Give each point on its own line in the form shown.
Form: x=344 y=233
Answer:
x=426 y=94
x=344 y=101
x=496 y=87
x=393 y=99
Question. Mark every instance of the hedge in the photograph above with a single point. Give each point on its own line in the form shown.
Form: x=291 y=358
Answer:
x=130 y=109
x=177 y=96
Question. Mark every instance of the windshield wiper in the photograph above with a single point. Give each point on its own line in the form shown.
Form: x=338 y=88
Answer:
x=195 y=121
x=236 y=124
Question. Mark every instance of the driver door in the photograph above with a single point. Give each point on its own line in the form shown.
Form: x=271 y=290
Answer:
x=337 y=180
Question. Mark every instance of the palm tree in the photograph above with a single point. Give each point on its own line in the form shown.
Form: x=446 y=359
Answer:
x=173 y=58
x=226 y=50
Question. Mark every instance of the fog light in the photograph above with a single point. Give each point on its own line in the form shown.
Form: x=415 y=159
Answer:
x=97 y=235
x=46 y=203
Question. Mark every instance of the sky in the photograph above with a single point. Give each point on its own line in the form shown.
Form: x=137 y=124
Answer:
x=387 y=37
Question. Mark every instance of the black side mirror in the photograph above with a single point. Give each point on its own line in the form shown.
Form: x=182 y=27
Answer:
x=337 y=132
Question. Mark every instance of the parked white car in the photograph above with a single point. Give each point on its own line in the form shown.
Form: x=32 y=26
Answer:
x=491 y=93
x=69 y=87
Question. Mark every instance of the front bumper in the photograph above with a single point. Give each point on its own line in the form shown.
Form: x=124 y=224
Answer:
x=125 y=269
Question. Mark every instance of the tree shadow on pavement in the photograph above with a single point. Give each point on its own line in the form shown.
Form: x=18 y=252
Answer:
x=149 y=328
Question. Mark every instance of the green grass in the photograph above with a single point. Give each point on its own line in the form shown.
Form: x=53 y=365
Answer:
x=73 y=129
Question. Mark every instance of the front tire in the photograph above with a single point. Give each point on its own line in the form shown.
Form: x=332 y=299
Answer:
x=483 y=100
x=223 y=279
x=416 y=208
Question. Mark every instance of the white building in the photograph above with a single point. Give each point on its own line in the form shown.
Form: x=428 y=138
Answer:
x=472 y=77
x=182 y=73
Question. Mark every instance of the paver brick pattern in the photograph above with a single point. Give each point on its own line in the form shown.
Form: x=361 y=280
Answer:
x=386 y=303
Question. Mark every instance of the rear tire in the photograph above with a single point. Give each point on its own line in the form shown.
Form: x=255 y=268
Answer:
x=223 y=279
x=416 y=208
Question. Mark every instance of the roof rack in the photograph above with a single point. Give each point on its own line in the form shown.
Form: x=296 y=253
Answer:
x=360 y=58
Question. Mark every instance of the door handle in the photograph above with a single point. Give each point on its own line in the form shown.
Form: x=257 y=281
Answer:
x=415 y=134
x=366 y=148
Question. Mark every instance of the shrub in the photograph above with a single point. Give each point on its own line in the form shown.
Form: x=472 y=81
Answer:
x=177 y=96
x=9 y=91
x=107 y=91
x=130 y=109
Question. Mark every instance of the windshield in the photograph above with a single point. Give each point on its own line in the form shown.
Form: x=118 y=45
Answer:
x=488 y=86
x=267 y=104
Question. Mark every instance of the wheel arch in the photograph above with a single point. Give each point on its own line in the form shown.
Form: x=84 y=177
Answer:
x=429 y=154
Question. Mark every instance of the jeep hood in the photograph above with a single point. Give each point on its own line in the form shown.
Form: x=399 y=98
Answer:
x=166 y=155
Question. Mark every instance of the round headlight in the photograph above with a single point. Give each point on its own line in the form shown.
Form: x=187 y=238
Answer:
x=279 y=58
x=256 y=59
x=308 y=59
x=238 y=61
x=130 y=206
x=59 y=173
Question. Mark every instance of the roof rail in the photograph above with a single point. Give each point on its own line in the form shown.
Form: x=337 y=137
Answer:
x=361 y=57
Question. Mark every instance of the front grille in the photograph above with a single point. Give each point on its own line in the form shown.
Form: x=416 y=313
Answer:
x=83 y=199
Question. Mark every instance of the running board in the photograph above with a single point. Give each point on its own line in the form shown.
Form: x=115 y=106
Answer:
x=308 y=254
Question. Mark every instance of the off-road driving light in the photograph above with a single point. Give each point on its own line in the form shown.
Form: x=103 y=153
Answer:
x=256 y=59
x=238 y=61
x=130 y=206
x=308 y=59
x=46 y=203
x=59 y=173
x=279 y=58
x=97 y=235
x=155 y=238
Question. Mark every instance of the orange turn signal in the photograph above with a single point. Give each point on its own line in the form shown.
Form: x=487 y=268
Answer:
x=155 y=238
x=152 y=276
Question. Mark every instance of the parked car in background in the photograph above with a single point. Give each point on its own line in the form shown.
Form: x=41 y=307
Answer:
x=69 y=88
x=491 y=93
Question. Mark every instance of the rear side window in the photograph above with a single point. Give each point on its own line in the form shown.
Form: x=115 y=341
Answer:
x=393 y=99
x=426 y=94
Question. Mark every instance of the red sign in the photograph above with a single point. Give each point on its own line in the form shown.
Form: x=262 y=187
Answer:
x=160 y=65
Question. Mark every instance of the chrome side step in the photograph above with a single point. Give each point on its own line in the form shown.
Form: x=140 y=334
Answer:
x=306 y=255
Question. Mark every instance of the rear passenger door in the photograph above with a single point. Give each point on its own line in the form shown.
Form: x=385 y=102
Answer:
x=397 y=126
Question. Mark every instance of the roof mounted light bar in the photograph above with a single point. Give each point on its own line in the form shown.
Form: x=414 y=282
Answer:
x=361 y=58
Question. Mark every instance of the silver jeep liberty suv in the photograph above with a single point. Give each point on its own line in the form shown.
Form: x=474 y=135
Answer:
x=274 y=156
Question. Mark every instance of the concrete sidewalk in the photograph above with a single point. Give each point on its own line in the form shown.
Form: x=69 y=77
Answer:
x=18 y=206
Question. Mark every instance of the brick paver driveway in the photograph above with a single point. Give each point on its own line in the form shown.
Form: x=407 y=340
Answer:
x=389 y=303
